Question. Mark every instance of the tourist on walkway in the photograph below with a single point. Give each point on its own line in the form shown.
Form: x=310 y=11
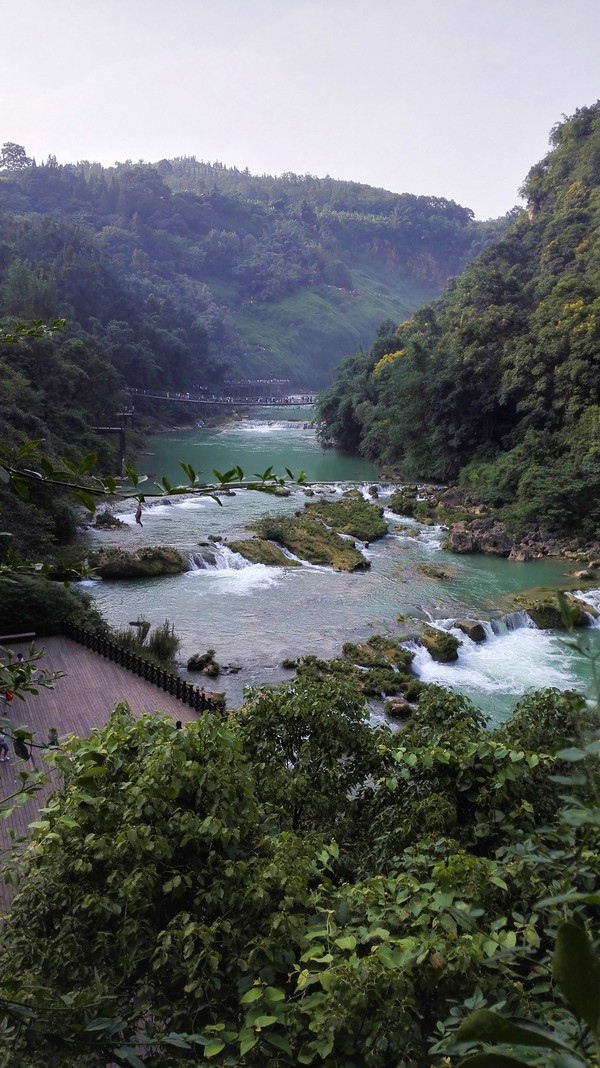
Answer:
x=3 y=747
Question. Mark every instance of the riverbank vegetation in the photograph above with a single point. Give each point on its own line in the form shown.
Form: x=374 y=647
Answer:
x=496 y=383
x=294 y=887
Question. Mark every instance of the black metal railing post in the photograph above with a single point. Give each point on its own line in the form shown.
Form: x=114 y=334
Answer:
x=173 y=684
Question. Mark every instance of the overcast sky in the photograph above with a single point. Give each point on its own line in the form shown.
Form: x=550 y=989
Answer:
x=450 y=98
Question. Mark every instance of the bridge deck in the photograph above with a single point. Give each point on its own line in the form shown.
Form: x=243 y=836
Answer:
x=81 y=701
x=228 y=402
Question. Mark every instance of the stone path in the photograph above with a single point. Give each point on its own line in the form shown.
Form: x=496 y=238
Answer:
x=81 y=701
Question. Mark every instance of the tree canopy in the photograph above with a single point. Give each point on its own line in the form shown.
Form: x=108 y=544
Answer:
x=288 y=898
x=497 y=382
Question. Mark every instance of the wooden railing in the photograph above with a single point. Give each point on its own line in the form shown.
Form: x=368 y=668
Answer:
x=193 y=696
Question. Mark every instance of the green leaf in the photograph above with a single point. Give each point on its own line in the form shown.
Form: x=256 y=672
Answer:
x=267 y=474
x=273 y=993
x=486 y=1026
x=572 y=896
x=87 y=463
x=173 y=1039
x=28 y=448
x=213 y=1047
x=247 y=1043
x=131 y=473
x=346 y=942
x=264 y=1021
x=129 y=1056
x=573 y=754
x=492 y=1060
x=385 y=956
x=189 y=470
x=86 y=500
x=251 y=995
x=279 y=1042
x=576 y=970
x=21 y=487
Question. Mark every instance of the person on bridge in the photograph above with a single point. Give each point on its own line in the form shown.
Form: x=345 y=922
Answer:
x=3 y=747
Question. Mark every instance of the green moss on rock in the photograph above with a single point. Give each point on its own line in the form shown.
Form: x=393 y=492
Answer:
x=261 y=551
x=351 y=515
x=546 y=612
x=309 y=539
x=440 y=645
x=156 y=560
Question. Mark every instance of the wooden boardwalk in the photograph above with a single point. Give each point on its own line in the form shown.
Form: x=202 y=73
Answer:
x=80 y=701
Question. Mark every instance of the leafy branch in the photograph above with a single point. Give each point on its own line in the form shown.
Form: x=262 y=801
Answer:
x=29 y=466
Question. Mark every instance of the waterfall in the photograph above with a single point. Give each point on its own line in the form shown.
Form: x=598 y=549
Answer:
x=217 y=558
x=591 y=598
x=496 y=628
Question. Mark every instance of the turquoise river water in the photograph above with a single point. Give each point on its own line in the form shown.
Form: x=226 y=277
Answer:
x=255 y=616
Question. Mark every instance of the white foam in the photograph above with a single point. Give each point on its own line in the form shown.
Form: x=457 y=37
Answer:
x=591 y=597
x=239 y=581
x=507 y=662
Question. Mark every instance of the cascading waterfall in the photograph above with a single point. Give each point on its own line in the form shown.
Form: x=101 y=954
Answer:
x=514 y=657
x=495 y=628
x=591 y=598
x=217 y=558
x=258 y=616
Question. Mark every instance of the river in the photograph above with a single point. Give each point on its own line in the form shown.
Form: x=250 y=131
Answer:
x=255 y=616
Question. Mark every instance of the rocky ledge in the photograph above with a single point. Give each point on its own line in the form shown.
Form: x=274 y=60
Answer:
x=112 y=563
x=479 y=536
x=472 y=528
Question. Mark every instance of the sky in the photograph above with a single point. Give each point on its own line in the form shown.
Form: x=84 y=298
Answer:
x=448 y=98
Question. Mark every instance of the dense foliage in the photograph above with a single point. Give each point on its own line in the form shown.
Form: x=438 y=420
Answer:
x=182 y=273
x=181 y=276
x=497 y=382
x=292 y=887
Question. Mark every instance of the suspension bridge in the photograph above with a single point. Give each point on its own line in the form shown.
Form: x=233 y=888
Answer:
x=300 y=400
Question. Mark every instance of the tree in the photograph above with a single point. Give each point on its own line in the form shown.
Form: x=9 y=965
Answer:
x=312 y=747
x=14 y=157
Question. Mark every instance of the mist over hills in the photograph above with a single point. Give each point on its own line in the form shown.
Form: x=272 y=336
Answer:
x=189 y=272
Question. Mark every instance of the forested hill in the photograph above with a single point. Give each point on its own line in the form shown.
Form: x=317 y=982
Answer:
x=498 y=382
x=187 y=273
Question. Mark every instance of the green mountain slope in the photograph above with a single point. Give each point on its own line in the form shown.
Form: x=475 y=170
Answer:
x=498 y=382
x=188 y=274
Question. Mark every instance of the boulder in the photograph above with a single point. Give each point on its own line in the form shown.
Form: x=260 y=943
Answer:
x=460 y=539
x=479 y=536
x=440 y=645
x=587 y=574
x=546 y=614
x=472 y=628
x=398 y=708
x=107 y=521
x=520 y=554
x=261 y=551
x=143 y=563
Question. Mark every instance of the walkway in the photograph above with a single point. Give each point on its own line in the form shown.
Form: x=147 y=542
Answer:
x=80 y=701
x=306 y=401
